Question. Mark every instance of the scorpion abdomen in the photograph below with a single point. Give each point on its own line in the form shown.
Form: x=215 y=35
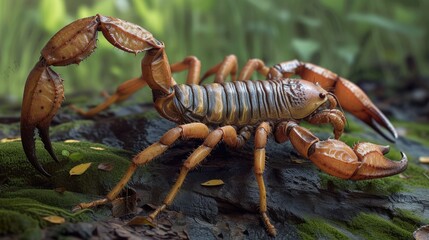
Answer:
x=236 y=103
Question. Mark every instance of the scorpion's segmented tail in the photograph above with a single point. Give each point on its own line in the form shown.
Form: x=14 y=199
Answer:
x=43 y=92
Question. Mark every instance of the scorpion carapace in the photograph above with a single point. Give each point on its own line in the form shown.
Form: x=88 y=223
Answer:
x=222 y=111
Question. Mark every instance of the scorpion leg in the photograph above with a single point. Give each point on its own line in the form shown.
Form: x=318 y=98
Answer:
x=187 y=131
x=350 y=96
x=261 y=135
x=124 y=91
x=227 y=133
x=364 y=161
x=194 y=69
x=128 y=88
x=221 y=70
x=251 y=66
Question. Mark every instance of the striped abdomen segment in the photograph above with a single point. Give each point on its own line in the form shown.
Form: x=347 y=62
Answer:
x=234 y=103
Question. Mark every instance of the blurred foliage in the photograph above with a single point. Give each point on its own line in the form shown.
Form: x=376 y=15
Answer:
x=359 y=39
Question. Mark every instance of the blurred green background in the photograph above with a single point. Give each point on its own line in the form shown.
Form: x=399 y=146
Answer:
x=381 y=42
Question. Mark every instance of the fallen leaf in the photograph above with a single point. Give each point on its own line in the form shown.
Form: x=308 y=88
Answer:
x=424 y=159
x=79 y=169
x=140 y=220
x=422 y=233
x=6 y=140
x=54 y=219
x=105 y=166
x=213 y=183
x=126 y=203
x=71 y=141
x=65 y=153
x=98 y=148
x=76 y=156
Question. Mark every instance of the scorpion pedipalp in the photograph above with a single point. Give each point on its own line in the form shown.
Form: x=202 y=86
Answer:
x=364 y=161
x=43 y=95
x=44 y=90
x=351 y=98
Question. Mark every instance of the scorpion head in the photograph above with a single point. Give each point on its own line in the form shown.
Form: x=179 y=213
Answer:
x=307 y=98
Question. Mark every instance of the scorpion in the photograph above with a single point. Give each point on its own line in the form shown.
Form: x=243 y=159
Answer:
x=229 y=112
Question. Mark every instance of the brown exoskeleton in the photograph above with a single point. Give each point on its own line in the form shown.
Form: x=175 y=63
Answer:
x=222 y=111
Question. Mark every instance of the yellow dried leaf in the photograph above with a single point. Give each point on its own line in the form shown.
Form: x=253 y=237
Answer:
x=6 y=140
x=97 y=148
x=140 y=220
x=79 y=169
x=424 y=159
x=54 y=219
x=213 y=183
x=71 y=141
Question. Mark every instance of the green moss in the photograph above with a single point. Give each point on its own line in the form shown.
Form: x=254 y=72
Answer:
x=24 y=216
x=416 y=176
x=36 y=210
x=65 y=200
x=73 y=125
x=407 y=220
x=319 y=229
x=371 y=226
x=13 y=222
x=382 y=186
x=416 y=131
x=93 y=181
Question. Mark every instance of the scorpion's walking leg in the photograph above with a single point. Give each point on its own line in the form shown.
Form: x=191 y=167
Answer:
x=227 y=133
x=193 y=65
x=128 y=88
x=251 y=66
x=261 y=135
x=187 y=131
x=350 y=96
x=124 y=91
x=221 y=70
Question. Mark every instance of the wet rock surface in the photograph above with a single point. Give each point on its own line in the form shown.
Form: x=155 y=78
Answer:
x=295 y=191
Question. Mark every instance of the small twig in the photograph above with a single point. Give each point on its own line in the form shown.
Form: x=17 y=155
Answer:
x=427 y=176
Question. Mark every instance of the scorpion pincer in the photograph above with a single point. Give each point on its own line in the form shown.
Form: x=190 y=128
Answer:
x=222 y=111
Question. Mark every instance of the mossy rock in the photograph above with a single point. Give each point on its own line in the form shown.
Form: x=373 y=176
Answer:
x=364 y=225
x=13 y=222
x=19 y=173
x=24 y=216
x=51 y=197
x=26 y=196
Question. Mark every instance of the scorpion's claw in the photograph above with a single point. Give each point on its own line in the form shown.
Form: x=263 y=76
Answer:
x=364 y=161
x=43 y=95
x=355 y=101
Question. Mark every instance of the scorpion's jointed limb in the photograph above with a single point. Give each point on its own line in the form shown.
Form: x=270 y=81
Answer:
x=364 y=161
x=221 y=111
x=44 y=92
